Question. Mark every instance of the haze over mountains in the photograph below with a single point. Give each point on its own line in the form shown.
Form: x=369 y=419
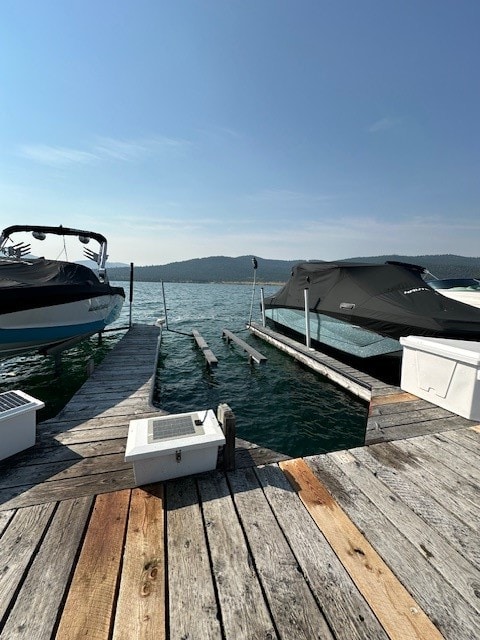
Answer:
x=240 y=269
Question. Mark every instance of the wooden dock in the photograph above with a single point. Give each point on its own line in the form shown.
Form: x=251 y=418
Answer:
x=372 y=543
x=392 y=413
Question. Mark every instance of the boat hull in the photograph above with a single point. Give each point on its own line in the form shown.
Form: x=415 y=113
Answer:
x=345 y=337
x=42 y=327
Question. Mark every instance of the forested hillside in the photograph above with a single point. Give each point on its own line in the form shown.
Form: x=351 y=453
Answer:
x=225 y=269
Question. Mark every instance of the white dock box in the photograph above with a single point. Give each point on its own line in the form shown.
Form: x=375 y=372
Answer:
x=444 y=372
x=174 y=445
x=18 y=422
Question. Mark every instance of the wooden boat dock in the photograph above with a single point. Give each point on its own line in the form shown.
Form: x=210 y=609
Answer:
x=377 y=542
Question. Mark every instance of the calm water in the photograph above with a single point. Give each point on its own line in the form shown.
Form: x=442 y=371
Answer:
x=281 y=405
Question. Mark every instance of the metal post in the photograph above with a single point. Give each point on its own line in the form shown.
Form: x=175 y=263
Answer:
x=165 y=307
x=262 y=302
x=307 y=318
x=131 y=296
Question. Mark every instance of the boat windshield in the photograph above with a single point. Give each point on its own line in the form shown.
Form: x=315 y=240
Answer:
x=456 y=284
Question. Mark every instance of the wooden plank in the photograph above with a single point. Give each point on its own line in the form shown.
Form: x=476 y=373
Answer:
x=455 y=569
x=89 y=605
x=398 y=612
x=276 y=564
x=252 y=353
x=453 y=454
x=27 y=495
x=348 y=615
x=392 y=399
x=375 y=432
x=378 y=460
x=433 y=478
x=33 y=614
x=244 y=612
x=62 y=469
x=449 y=456
x=18 y=545
x=401 y=407
x=411 y=567
x=140 y=611
x=193 y=609
x=468 y=438
x=339 y=373
x=203 y=346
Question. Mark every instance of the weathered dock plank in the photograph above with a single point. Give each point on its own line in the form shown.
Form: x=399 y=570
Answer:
x=435 y=595
x=346 y=610
x=397 y=611
x=244 y=611
x=384 y=466
x=295 y=612
x=90 y=601
x=33 y=614
x=19 y=543
x=192 y=604
x=140 y=609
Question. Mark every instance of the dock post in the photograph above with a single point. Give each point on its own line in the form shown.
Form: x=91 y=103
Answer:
x=131 y=296
x=226 y=418
x=307 y=318
x=262 y=304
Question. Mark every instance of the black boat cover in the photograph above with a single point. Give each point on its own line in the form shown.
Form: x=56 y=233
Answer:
x=35 y=283
x=390 y=299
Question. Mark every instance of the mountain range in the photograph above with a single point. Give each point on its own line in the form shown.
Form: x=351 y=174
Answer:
x=241 y=269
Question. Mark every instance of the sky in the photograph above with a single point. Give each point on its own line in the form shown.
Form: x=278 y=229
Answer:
x=288 y=129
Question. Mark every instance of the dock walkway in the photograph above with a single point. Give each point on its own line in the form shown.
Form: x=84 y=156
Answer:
x=372 y=543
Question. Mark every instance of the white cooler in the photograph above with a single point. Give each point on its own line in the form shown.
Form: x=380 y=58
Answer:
x=18 y=422
x=174 y=445
x=444 y=372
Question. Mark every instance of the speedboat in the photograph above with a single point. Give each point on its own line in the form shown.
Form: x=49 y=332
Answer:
x=44 y=303
x=363 y=309
x=466 y=290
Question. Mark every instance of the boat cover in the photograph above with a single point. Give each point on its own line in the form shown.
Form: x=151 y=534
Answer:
x=37 y=282
x=390 y=299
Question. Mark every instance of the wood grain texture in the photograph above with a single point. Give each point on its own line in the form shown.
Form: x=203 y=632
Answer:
x=348 y=615
x=410 y=565
x=398 y=612
x=140 y=611
x=89 y=605
x=36 y=607
x=245 y=614
x=294 y=609
x=193 y=607
x=18 y=545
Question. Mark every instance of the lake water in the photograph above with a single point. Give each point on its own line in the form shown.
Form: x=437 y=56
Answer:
x=281 y=405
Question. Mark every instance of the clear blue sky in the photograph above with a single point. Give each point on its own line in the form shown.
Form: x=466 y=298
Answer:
x=292 y=129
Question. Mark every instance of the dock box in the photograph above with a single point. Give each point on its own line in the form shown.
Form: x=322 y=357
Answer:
x=18 y=422
x=444 y=372
x=166 y=447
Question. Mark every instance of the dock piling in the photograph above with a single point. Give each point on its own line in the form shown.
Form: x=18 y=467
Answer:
x=226 y=418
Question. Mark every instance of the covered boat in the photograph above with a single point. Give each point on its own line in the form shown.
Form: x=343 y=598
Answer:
x=51 y=302
x=363 y=309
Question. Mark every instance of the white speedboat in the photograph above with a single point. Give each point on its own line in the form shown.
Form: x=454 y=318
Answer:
x=43 y=302
x=466 y=290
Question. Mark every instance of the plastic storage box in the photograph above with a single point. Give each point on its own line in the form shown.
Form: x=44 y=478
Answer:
x=174 y=445
x=18 y=422
x=444 y=372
